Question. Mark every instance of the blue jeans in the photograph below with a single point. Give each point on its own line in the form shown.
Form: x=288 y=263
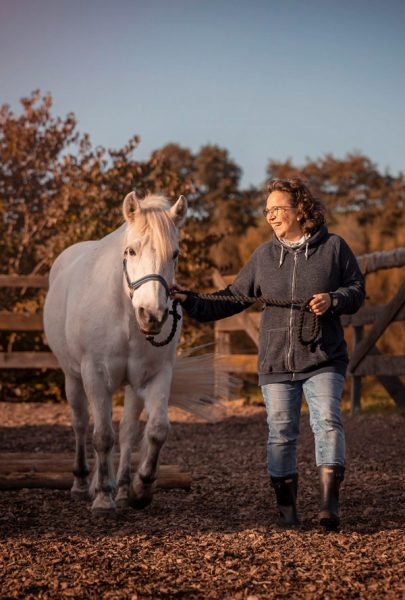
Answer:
x=283 y=404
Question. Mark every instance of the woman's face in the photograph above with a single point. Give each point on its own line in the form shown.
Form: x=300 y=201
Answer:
x=283 y=217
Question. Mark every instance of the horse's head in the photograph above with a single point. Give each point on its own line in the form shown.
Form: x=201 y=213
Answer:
x=150 y=255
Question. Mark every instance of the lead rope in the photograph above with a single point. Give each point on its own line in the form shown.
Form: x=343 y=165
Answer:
x=303 y=305
x=176 y=317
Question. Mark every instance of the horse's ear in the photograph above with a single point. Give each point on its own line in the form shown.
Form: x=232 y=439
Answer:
x=131 y=207
x=178 y=211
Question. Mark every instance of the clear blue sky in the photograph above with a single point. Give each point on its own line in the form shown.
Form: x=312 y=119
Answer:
x=262 y=78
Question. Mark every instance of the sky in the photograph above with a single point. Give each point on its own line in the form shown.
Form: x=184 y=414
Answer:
x=265 y=79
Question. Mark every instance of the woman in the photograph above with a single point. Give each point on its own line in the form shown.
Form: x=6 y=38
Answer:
x=301 y=261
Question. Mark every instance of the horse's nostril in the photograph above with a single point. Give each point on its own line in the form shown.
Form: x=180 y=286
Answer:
x=146 y=316
x=165 y=314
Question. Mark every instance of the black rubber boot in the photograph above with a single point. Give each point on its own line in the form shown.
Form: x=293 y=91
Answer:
x=330 y=478
x=286 y=494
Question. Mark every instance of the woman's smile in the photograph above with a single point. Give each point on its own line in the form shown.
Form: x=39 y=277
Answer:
x=279 y=206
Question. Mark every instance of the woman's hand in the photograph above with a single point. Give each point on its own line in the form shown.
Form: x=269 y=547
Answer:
x=174 y=293
x=320 y=303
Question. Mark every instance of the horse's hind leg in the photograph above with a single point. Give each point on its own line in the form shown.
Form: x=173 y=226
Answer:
x=80 y=420
x=129 y=427
x=156 y=394
x=103 y=482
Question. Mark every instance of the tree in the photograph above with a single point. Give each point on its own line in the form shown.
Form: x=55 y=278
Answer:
x=353 y=186
x=223 y=207
x=41 y=184
x=56 y=189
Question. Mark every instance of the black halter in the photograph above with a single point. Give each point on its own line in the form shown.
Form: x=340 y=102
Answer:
x=134 y=285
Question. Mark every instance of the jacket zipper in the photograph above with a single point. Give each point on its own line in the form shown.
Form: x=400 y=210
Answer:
x=290 y=329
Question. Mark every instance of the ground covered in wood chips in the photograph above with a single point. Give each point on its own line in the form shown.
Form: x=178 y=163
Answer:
x=219 y=540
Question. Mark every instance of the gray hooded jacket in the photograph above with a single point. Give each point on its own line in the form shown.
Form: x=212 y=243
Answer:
x=324 y=263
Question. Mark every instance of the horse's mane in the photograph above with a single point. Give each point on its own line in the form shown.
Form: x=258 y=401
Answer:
x=156 y=221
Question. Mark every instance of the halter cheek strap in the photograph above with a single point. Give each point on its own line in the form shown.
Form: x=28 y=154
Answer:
x=134 y=285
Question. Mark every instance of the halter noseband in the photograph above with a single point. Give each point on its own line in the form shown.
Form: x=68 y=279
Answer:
x=134 y=285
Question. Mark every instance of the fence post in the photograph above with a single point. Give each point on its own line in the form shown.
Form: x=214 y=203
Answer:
x=222 y=346
x=355 y=395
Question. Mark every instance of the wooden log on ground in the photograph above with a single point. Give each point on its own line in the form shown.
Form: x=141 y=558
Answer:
x=169 y=477
x=21 y=470
x=26 y=462
x=47 y=481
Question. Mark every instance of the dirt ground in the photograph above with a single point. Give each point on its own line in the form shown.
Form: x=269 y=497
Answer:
x=219 y=540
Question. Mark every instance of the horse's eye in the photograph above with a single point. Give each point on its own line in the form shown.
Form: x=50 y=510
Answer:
x=131 y=251
x=175 y=254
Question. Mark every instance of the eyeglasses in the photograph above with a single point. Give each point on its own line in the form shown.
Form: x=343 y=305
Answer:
x=274 y=210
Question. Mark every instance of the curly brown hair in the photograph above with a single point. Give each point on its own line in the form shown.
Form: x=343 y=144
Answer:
x=312 y=209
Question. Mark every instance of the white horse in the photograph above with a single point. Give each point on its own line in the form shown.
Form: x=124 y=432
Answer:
x=96 y=315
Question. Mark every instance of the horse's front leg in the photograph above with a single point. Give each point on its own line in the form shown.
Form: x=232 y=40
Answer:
x=103 y=482
x=156 y=397
x=129 y=427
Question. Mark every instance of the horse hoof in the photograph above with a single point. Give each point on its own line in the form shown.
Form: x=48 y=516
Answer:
x=103 y=505
x=80 y=491
x=122 y=499
x=140 y=499
x=140 y=493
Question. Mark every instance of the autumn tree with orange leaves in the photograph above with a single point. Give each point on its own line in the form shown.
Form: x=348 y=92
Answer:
x=56 y=189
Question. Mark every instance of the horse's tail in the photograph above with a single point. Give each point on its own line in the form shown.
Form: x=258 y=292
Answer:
x=199 y=383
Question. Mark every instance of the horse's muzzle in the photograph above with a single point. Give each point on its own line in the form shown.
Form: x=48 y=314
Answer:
x=151 y=323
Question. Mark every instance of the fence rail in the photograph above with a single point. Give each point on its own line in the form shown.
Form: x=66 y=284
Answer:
x=28 y=360
x=24 y=281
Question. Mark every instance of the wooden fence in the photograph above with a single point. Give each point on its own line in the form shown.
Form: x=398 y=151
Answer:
x=24 y=322
x=365 y=358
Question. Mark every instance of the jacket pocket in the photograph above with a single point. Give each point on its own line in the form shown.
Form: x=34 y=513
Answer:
x=308 y=355
x=273 y=350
